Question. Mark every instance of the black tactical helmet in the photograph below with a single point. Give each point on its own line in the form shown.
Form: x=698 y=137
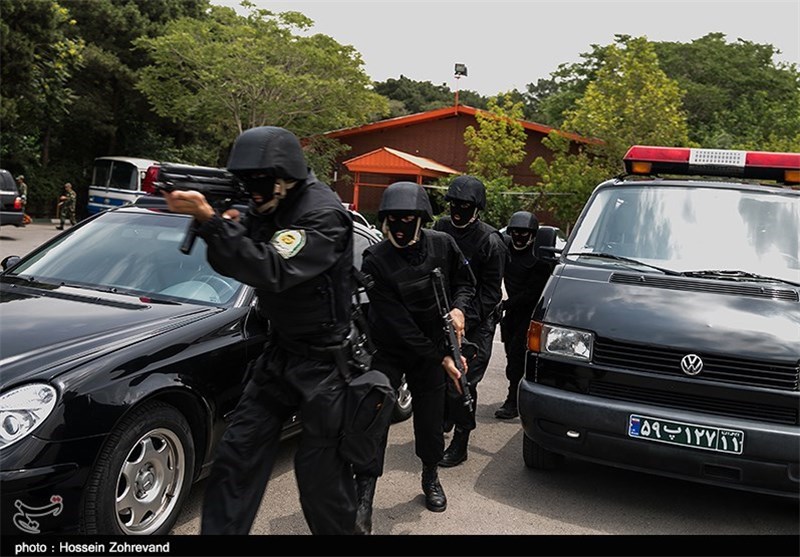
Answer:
x=405 y=197
x=469 y=189
x=524 y=220
x=269 y=149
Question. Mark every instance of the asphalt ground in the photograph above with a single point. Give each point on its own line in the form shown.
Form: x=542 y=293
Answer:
x=21 y=240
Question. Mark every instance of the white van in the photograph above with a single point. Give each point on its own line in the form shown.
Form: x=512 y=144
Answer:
x=116 y=181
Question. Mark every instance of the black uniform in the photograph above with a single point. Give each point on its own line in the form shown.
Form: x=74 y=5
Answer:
x=407 y=329
x=525 y=278
x=299 y=258
x=484 y=250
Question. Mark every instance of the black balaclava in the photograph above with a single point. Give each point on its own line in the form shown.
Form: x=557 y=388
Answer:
x=263 y=185
x=462 y=213
x=521 y=238
x=402 y=234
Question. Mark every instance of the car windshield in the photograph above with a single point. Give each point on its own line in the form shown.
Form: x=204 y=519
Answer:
x=134 y=253
x=699 y=231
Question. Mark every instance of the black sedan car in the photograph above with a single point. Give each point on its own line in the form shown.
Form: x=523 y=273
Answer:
x=121 y=358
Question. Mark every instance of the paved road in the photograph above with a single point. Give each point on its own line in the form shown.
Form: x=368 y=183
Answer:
x=494 y=493
x=20 y=241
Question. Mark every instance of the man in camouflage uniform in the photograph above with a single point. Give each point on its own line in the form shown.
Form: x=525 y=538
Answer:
x=67 y=204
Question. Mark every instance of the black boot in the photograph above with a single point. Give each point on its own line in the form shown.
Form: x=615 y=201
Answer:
x=435 y=499
x=365 y=489
x=507 y=411
x=456 y=453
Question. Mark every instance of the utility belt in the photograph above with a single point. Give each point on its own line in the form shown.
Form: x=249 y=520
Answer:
x=352 y=356
x=369 y=398
x=336 y=353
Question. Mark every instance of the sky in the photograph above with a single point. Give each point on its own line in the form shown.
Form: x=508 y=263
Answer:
x=509 y=44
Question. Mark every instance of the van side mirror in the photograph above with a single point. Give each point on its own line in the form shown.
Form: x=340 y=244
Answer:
x=549 y=254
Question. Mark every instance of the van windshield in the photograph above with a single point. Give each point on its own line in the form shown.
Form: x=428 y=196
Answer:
x=685 y=229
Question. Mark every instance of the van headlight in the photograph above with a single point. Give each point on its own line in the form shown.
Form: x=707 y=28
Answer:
x=569 y=343
x=24 y=409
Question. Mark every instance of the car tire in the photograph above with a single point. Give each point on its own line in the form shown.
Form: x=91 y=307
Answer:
x=537 y=457
x=403 y=407
x=142 y=475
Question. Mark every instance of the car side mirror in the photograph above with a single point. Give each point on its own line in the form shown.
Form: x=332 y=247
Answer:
x=10 y=261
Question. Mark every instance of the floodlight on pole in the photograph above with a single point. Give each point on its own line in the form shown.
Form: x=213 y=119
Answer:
x=460 y=70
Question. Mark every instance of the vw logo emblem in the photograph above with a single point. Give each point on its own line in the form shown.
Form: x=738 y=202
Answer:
x=691 y=364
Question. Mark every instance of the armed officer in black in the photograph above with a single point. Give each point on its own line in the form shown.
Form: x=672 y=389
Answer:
x=295 y=246
x=525 y=277
x=408 y=330
x=483 y=247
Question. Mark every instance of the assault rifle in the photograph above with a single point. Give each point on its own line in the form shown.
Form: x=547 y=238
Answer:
x=450 y=337
x=220 y=188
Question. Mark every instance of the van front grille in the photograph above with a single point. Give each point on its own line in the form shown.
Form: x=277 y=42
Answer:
x=783 y=376
x=699 y=403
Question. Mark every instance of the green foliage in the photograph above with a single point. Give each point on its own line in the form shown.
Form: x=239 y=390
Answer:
x=407 y=96
x=498 y=143
x=229 y=73
x=630 y=101
x=569 y=178
x=39 y=58
x=736 y=96
x=503 y=199
x=321 y=154
x=45 y=184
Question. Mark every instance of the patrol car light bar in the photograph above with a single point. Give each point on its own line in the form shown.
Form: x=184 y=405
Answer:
x=761 y=165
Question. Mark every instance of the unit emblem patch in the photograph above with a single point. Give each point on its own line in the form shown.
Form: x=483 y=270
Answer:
x=288 y=242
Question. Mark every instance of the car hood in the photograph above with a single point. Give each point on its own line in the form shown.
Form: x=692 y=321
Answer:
x=44 y=332
x=710 y=316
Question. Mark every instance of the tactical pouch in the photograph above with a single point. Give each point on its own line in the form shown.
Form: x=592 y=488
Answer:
x=368 y=406
x=369 y=396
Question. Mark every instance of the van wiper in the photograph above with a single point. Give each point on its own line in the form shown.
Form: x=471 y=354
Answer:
x=726 y=274
x=602 y=255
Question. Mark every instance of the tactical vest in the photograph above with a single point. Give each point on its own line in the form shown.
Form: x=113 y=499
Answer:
x=413 y=282
x=316 y=311
x=470 y=240
x=520 y=266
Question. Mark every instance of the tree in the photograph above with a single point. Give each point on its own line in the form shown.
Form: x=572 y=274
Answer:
x=498 y=143
x=495 y=146
x=114 y=117
x=735 y=95
x=38 y=60
x=409 y=97
x=630 y=101
x=228 y=73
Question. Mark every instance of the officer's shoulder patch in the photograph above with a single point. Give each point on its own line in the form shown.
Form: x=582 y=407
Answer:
x=288 y=243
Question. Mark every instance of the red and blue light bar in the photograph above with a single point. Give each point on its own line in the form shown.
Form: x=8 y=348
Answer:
x=759 y=165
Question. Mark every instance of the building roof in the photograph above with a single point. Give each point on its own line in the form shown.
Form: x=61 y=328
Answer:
x=441 y=113
x=386 y=160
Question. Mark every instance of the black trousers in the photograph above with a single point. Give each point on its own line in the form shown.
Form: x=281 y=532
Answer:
x=483 y=336
x=280 y=384
x=426 y=381
x=514 y=330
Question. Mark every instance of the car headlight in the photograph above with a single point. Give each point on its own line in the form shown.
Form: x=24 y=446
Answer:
x=569 y=343
x=23 y=409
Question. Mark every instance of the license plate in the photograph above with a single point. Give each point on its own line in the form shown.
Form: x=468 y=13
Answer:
x=688 y=435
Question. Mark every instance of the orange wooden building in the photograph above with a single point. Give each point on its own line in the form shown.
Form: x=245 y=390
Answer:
x=419 y=148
